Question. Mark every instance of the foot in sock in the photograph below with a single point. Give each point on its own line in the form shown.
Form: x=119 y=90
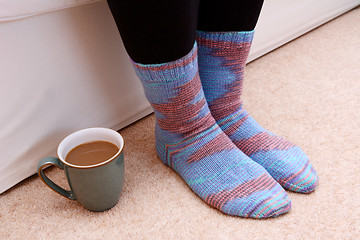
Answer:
x=222 y=59
x=189 y=141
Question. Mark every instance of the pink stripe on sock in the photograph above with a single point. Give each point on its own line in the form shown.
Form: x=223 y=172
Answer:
x=182 y=105
x=268 y=205
x=234 y=127
x=284 y=181
x=263 y=141
x=243 y=190
x=212 y=147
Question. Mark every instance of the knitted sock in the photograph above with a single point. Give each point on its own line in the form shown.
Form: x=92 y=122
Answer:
x=189 y=141
x=222 y=59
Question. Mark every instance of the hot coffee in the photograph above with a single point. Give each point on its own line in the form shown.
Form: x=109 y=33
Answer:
x=91 y=153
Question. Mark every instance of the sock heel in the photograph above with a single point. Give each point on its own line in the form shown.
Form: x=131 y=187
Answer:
x=161 y=146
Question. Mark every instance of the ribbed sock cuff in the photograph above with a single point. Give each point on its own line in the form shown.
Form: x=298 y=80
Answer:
x=169 y=71
x=225 y=39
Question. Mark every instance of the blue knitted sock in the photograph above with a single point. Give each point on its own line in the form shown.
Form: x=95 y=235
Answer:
x=222 y=59
x=189 y=141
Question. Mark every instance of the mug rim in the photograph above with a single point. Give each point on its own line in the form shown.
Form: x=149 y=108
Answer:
x=93 y=165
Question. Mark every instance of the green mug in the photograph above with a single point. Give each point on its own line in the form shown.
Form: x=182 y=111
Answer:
x=96 y=187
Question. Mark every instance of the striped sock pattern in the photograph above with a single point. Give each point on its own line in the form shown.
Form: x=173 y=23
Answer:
x=222 y=59
x=189 y=140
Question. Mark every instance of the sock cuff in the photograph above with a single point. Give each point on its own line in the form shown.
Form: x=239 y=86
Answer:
x=225 y=39
x=169 y=71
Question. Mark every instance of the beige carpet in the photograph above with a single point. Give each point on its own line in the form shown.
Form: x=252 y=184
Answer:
x=307 y=91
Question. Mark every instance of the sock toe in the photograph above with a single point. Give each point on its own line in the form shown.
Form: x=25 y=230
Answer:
x=268 y=202
x=276 y=205
x=290 y=167
x=304 y=181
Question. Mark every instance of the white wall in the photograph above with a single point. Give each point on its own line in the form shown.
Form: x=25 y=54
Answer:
x=282 y=20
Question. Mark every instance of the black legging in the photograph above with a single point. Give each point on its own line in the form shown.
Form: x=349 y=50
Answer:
x=160 y=31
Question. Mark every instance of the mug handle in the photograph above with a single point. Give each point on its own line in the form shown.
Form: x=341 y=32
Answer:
x=56 y=162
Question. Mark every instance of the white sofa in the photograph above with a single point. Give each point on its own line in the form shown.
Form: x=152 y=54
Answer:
x=63 y=68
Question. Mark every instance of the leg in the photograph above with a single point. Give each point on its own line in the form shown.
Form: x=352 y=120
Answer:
x=222 y=59
x=229 y=15
x=188 y=139
x=156 y=31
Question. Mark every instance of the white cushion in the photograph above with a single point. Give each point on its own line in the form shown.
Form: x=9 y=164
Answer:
x=17 y=9
x=61 y=72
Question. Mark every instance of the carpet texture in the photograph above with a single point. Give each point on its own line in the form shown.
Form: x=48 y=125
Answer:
x=306 y=91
